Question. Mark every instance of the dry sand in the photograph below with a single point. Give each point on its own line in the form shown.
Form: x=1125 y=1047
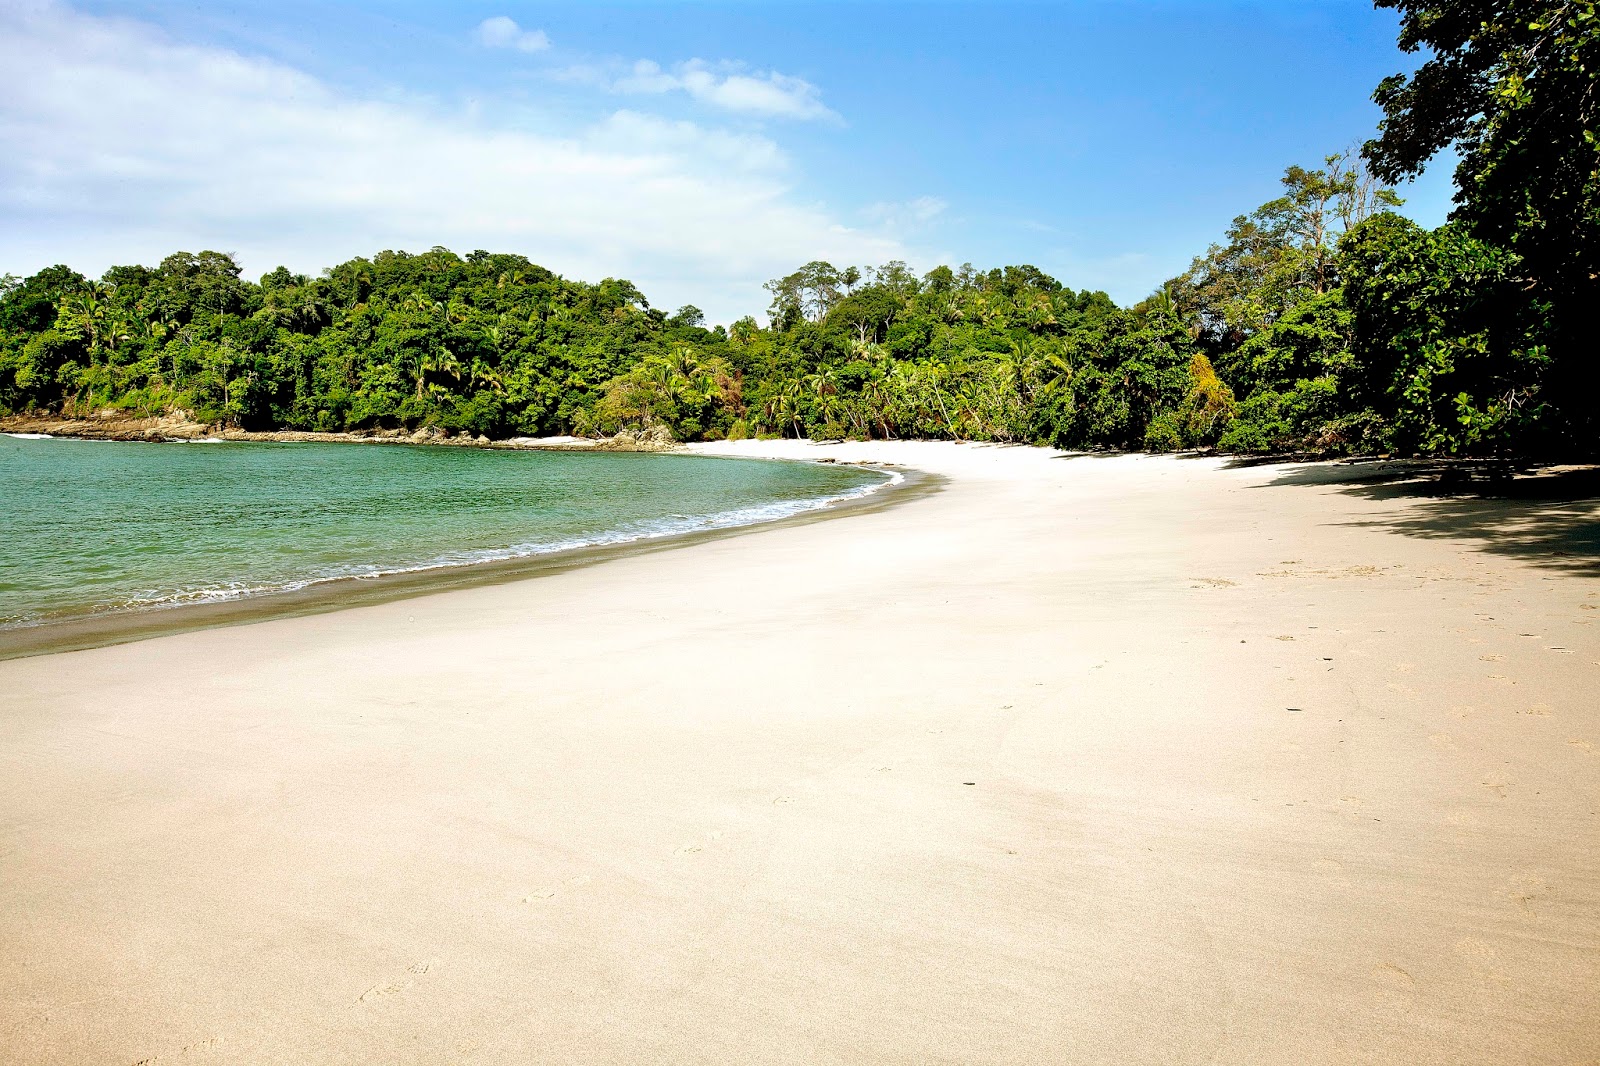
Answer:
x=1079 y=760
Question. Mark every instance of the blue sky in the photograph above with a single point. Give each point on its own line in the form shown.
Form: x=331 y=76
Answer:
x=698 y=149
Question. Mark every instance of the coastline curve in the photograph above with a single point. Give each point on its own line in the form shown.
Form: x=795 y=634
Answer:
x=322 y=596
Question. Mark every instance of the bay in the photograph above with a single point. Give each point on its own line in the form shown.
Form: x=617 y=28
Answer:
x=93 y=527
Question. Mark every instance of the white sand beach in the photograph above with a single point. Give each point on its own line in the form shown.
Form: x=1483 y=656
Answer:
x=1077 y=760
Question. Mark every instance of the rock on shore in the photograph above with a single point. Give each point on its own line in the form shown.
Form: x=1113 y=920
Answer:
x=182 y=426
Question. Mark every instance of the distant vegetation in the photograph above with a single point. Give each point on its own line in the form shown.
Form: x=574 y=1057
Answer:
x=1321 y=322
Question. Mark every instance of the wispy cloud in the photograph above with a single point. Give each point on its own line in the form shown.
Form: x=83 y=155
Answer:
x=728 y=86
x=906 y=214
x=123 y=144
x=503 y=32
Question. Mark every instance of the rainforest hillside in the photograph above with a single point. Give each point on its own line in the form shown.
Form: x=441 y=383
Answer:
x=1321 y=321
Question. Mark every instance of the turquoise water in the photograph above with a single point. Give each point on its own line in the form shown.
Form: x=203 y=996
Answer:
x=88 y=527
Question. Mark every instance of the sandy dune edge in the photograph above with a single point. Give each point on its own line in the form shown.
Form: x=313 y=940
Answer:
x=1262 y=769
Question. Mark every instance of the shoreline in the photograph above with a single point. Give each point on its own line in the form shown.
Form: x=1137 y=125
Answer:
x=108 y=628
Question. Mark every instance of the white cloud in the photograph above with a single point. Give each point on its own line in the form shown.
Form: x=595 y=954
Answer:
x=503 y=32
x=906 y=214
x=123 y=145
x=727 y=86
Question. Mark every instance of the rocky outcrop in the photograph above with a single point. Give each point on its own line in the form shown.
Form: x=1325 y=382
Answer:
x=653 y=439
x=178 y=425
x=181 y=426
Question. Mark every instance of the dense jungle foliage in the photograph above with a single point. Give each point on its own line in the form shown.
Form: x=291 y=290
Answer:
x=1321 y=322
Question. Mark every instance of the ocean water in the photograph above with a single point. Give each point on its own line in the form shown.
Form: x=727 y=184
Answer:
x=90 y=527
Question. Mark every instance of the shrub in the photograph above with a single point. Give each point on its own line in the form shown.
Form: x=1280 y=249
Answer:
x=1164 y=433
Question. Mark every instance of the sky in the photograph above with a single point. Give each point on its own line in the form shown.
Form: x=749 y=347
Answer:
x=696 y=149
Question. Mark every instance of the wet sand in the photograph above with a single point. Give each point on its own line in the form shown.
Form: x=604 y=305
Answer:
x=1078 y=760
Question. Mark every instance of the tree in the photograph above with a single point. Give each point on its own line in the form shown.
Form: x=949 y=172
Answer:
x=1514 y=87
x=31 y=305
x=1280 y=254
x=90 y=315
x=1319 y=205
x=810 y=293
x=439 y=361
x=1449 y=346
x=688 y=315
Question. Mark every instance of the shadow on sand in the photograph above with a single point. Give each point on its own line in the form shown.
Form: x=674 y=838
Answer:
x=1548 y=516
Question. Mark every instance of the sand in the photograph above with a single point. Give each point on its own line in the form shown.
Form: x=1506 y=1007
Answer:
x=1078 y=760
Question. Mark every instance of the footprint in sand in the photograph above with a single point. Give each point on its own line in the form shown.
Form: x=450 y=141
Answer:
x=1212 y=583
x=1582 y=745
x=1491 y=658
x=781 y=800
x=201 y=1046
x=540 y=894
x=687 y=849
x=1539 y=710
x=389 y=988
x=379 y=991
x=1444 y=740
x=1393 y=977
x=1499 y=788
x=1525 y=891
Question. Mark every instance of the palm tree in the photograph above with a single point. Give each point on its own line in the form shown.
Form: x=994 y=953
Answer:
x=783 y=409
x=1040 y=369
x=423 y=304
x=86 y=314
x=481 y=373
x=1039 y=313
x=438 y=361
x=828 y=403
x=311 y=311
x=875 y=396
x=935 y=370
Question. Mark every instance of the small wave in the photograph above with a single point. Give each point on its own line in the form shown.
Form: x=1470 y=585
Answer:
x=31 y=436
x=670 y=526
